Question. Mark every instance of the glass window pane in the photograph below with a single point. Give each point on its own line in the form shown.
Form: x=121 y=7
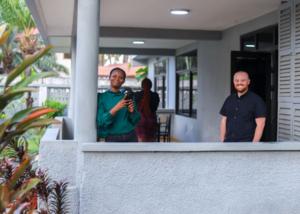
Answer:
x=194 y=94
x=186 y=68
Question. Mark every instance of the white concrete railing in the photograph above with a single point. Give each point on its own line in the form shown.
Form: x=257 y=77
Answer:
x=189 y=147
x=176 y=178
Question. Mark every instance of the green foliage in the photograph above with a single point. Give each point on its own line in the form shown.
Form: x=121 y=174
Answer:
x=3 y=116
x=19 y=182
x=16 y=13
x=141 y=73
x=58 y=106
x=48 y=64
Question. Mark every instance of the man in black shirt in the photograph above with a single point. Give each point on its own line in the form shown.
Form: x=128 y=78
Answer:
x=243 y=113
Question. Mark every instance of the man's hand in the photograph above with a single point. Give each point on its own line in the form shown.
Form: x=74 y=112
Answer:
x=260 y=125
x=223 y=128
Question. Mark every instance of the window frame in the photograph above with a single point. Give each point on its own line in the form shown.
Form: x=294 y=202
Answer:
x=164 y=85
x=192 y=113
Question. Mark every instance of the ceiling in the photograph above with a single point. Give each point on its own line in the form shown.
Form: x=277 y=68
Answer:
x=56 y=17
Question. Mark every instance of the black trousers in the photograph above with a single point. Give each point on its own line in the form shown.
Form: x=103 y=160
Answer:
x=129 y=137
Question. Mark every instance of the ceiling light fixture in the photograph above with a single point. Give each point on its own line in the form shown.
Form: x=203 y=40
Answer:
x=179 y=11
x=250 y=46
x=138 y=42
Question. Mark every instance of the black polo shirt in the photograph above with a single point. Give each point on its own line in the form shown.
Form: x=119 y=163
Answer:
x=241 y=113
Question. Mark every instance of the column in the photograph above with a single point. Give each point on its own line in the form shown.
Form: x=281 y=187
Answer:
x=86 y=70
x=71 y=106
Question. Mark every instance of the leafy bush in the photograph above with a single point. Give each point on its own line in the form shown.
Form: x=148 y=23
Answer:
x=58 y=106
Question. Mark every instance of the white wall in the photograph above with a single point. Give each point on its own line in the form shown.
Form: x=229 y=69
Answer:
x=171 y=86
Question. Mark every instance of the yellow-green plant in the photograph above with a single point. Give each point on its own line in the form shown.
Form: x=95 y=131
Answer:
x=141 y=73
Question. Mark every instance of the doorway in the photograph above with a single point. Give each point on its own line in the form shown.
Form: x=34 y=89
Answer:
x=259 y=56
x=263 y=83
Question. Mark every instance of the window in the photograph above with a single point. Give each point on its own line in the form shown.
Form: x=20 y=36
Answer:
x=186 y=84
x=160 y=70
x=261 y=40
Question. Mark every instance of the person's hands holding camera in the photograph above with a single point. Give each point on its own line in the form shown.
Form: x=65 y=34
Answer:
x=121 y=104
x=130 y=106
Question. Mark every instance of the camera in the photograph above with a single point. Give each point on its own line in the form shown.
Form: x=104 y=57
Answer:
x=128 y=93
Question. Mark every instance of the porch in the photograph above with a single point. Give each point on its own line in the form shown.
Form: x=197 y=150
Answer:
x=189 y=177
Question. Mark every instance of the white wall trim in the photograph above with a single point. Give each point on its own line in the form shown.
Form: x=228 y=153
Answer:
x=189 y=147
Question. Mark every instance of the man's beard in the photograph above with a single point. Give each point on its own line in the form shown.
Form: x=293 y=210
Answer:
x=241 y=90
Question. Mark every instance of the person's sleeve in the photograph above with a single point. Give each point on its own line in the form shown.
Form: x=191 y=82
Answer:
x=135 y=116
x=223 y=110
x=260 y=108
x=104 y=117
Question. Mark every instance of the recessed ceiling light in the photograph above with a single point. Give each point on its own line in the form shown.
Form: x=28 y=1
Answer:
x=250 y=46
x=179 y=11
x=138 y=42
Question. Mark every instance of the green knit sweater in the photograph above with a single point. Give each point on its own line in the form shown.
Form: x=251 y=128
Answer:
x=121 y=123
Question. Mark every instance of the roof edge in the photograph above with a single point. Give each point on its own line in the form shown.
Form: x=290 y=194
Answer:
x=34 y=7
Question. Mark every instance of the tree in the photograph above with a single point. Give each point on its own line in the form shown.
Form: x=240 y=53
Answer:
x=16 y=14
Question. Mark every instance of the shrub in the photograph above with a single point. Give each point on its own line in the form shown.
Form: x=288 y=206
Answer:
x=58 y=106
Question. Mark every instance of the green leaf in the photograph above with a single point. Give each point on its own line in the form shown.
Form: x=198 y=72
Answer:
x=28 y=80
x=26 y=188
x=38 y=123
x=7 y=97
x=25 y=64
x=3 y=127
x=23 y=113
x=16 y=13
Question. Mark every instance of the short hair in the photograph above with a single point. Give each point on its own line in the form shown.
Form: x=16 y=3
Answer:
x=117 y=69
x=241 y=71
x=147 y=82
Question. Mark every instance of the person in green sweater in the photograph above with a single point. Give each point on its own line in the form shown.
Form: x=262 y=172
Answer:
x=117 y=115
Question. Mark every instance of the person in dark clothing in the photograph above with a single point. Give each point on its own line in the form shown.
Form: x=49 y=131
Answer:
x=243 y=113
x=147 y=102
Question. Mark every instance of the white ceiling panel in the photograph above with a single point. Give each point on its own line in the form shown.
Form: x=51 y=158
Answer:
x=57 y=17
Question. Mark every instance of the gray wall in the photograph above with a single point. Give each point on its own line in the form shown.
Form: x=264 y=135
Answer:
x=214 y=69
x=163 y=182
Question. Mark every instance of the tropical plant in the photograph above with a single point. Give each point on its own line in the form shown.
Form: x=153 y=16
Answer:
x=58 y=106
x=16 y=14
x=20 y=184
x=141 y=73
